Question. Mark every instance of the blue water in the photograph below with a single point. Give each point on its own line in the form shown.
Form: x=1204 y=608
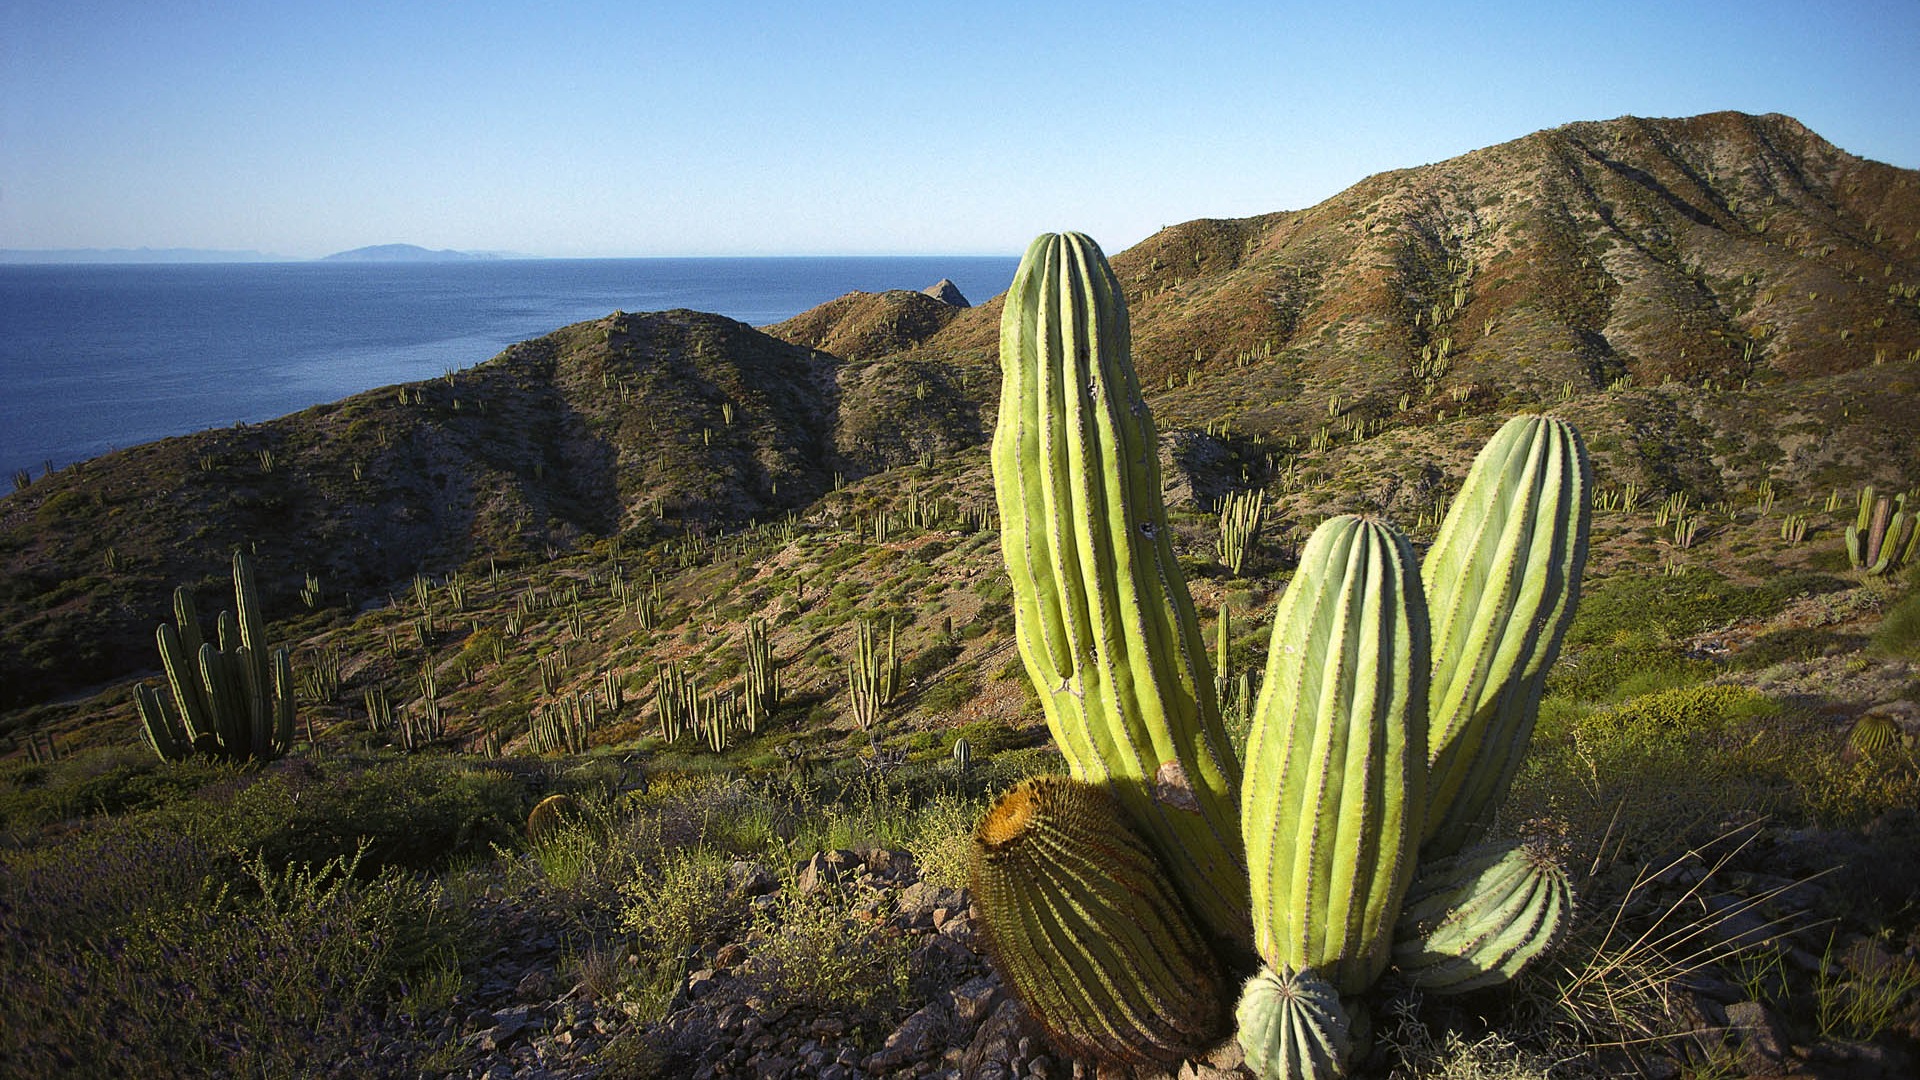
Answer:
x=98 y=357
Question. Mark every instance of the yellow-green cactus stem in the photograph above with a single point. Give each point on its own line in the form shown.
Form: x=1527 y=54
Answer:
x=1292 y=1026
x=1474 y=920
x=1081 y=921
x=1502 y=580
x=1105 y=625
x=1336 y=761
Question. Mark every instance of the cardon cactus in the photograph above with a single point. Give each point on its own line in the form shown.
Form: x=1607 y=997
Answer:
x=1080 y=919
x=1293 y=1025
x=1502 y=579
x=1336 y=760
x=232 y=700
x=1104 y=622
x=1475 y=919
x=1397 y=702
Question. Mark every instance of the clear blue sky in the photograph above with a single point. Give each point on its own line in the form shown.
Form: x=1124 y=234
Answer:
x=717 y=127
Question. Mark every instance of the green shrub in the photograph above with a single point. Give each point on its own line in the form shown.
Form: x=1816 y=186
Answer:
x=810 y=950
x=942 y=839
x=280 y=975
x=1899 y=632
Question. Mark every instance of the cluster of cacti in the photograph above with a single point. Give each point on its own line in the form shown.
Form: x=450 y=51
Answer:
x=1883 y=536
x=675 y=696
x=232 y=699
x=1397 y=702
x=760 y=690
x=563 y=726
x=1239 y=527
x=873 y=680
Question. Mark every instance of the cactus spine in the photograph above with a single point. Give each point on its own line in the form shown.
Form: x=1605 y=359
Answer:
x=232 y=700
x=1336 y=761
x=1082 y=922
x=1105 y=625
x=1502 y=578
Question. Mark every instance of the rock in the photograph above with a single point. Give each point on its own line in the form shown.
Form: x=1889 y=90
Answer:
x=990 y=1055
x=947 y=293
x=916 y=1037
x=972 y=1001
x=828 y=867
x=752 y=878
x=1758 y=1032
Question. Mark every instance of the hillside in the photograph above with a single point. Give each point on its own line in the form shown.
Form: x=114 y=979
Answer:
x=1720 y=300
x=486 y=580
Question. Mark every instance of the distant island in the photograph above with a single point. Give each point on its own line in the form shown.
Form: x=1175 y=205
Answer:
x=407 y=253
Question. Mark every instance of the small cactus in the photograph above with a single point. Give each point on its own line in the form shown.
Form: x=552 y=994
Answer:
x=1475 y=919
x=549 y=815
x=1293 y=1027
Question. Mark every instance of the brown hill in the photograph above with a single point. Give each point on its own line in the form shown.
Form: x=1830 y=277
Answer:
x=1719 y=300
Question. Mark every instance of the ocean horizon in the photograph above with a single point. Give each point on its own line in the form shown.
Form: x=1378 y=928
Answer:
x=98 y=357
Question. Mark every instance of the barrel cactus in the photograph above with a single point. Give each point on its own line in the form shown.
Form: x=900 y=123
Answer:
x=1475 y=919
x=1081 y=921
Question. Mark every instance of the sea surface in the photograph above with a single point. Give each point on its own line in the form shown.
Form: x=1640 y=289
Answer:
x=94 y=358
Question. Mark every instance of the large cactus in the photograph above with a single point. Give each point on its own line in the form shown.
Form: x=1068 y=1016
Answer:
x=231 y=700
x=1502 y=580
x=1397 y=702
x=1336 y=761
x=1104 y=622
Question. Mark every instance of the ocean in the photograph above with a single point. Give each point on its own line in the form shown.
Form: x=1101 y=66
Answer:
x=94 y=358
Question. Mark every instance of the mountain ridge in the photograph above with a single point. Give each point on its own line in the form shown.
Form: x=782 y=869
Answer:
x=1717 y=300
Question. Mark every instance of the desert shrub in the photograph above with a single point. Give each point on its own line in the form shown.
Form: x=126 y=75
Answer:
x=1659 y=767
x=277 y=976
x=809 y=949
x=1792 y=644
x=1633 y=605
x=1899 y=632
x=680 y=904
x=106 y=781
x=942 y=838
x=411 y=813
x=949 y=693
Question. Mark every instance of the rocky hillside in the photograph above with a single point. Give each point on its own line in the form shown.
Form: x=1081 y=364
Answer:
x=1718 y=301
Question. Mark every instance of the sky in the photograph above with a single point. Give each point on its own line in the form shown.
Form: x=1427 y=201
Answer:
x=716 y=127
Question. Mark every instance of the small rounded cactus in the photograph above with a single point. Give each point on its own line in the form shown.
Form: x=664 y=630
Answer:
x=1874 y=733
x=1293 y=1027
x=1475 y=919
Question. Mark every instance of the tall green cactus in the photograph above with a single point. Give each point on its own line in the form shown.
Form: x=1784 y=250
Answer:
x=1502 y=579
x=1397 y=701
x=1336 y=762
x=1104 y=622
x=232 y=700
